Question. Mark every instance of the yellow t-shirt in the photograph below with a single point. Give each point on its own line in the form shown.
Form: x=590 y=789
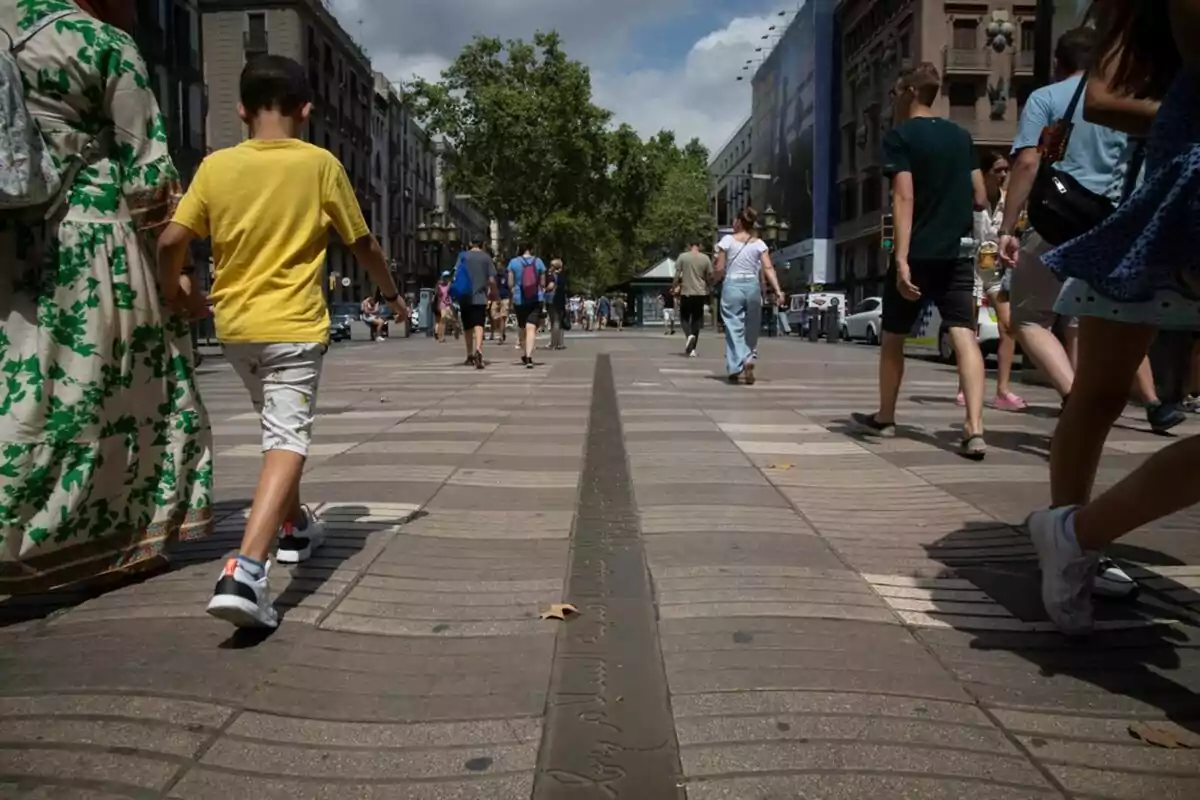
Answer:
x=268 y=207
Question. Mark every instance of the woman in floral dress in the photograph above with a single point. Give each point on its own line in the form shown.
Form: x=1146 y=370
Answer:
x=105 y=450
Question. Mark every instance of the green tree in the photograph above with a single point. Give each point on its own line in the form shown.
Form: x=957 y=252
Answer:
x=526 y=140
x=678 y=210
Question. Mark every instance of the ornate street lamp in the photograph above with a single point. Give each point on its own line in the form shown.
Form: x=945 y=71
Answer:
x=770 y=225
x=423 y=233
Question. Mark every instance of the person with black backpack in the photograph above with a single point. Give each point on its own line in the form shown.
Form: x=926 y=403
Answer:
x=527 y=278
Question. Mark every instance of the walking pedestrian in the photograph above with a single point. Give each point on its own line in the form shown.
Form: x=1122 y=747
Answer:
x=693 y=283
x=499 y=308
x=527 y=277
x=482 y=269
x=444 y=306
x=993 y=278
x=557 y=305
x=1141 y=270
x=589 y=314
x=263 y=204
x=936 y=182
x=741 y=257
x=93 y=361
x=618 y=310
x=667 y=300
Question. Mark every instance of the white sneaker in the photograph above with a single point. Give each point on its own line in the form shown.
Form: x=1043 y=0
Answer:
x=1067 y=571
x=297 y=546
x=693 y=354
x=1113 y=582
x=243 y=600
x=690 y=347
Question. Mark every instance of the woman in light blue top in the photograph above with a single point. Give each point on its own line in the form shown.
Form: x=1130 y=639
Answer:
x=742 y=260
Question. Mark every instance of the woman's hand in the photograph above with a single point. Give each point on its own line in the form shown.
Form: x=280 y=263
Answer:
x=189 y=302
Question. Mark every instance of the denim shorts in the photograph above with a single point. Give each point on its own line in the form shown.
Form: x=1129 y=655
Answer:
x=282 y=379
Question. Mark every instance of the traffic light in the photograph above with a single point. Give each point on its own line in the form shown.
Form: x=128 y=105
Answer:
x=888 y=233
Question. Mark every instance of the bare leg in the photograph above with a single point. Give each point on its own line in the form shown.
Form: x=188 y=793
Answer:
x=1007 y=351
x=1109 y=355
x=275 y=499
x=1044 y=348
x=1143 y=384
x=891 y=375
x=477 y=337
x=971 y=376
x=1071 y=343
x=530 y=339
x=1164 y=484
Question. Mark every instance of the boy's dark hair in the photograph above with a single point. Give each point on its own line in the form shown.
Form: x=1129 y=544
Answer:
x=527 y=247
x=479 y=240
x=924 y=81
x=274 y=83
x=1075 y=50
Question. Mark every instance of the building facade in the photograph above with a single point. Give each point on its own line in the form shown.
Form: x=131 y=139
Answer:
x=985 y=54
x=341 y=79
x=169 y=36
x=730 y=173
x=794 y=102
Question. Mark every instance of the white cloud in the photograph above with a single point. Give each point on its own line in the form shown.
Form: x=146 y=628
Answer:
x=701 y=98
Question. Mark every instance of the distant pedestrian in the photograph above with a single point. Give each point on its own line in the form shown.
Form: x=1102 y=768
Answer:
x=482 y=270
x=589 y=314
x=741 y=256
x=603 y=311
x=693 y=282
x=667 y=300
x=370 y=315
x=265 y=204
x=618 y=311
x=443 y=307
x=499 y=308
x=527 y=277
x=557 y=305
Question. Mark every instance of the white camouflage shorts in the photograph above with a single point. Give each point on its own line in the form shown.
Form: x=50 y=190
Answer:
x=282 y=379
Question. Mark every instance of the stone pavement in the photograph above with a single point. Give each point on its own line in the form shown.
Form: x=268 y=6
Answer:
x=771 y=608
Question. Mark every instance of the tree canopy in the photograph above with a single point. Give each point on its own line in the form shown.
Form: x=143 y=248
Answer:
x=526 y=141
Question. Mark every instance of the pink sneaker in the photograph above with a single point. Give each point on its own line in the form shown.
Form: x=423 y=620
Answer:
x=1010 y=402
x=961 y=400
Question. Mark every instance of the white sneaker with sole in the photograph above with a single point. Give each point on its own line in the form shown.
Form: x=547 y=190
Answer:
x=297 y=546
x=1067 y=571
x=243 y=600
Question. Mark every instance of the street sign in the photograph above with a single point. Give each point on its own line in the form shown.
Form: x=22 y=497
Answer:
x=346 y=282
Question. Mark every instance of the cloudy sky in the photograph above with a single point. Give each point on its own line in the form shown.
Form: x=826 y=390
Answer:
x=655 y=63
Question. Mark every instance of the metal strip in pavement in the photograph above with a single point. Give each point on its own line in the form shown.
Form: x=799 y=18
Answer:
x=609 y=732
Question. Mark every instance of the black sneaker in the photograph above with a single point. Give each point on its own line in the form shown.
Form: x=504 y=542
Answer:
x=1163 y=417
x=869 y=425
x=479 y=361
x=528 y=362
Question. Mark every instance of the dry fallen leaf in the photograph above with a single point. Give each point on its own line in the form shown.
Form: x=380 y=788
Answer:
x=781 y=466
x=1171 y=737
x=560 y=611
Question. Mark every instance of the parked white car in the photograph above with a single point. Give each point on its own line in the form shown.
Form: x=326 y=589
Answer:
x=986 y=328
x=865 y=321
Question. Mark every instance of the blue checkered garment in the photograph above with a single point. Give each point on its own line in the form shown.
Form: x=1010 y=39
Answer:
x=1151 y=244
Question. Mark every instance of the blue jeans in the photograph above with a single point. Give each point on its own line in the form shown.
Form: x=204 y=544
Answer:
x=741 y=310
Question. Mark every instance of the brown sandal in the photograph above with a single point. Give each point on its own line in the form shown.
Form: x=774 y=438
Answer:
x=748 y=372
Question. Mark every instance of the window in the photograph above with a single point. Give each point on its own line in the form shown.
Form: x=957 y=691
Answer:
x=1028 y=38
x=965 y=34
x=256 y=33
x=906 y=44
x=963 y=96
x=196 y=115
x=872 y=195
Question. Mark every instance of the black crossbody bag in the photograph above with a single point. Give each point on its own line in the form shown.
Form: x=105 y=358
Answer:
x=1060 y=208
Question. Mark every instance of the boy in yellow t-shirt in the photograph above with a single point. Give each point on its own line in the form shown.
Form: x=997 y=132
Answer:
x=267 y=205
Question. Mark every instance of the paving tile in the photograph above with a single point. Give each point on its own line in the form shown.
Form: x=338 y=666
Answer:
x=203 y=784
x=851 y=786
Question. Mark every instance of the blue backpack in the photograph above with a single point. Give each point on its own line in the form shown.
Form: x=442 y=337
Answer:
x=461 y=290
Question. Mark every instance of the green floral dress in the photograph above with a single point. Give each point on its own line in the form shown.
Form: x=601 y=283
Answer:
x=105 y=449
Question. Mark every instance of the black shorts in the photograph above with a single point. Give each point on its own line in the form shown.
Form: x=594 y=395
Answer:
x=947 y=284
x=473 y=316
x=529 y=314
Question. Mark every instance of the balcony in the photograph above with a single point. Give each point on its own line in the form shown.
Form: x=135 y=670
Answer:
x=986 y=131
x=961 y=61
x=1023 y=62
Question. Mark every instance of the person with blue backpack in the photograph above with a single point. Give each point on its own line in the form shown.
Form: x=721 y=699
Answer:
x=527 y=279
x=473 y=286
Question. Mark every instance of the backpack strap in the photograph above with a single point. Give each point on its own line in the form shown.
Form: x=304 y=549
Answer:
x=1069 y=117
x=45 y=22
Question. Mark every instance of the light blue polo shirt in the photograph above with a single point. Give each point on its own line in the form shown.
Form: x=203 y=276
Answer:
x=1096 y=156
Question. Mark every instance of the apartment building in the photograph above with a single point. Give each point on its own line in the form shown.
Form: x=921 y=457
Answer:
x=168 y=34
x=341 y=78
x=985 y=54
x=729 y=174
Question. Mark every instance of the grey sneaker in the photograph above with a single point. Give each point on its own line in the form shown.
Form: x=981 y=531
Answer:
x=297 y=545
x=973 y=448
x=243 y=600
x=869 y=425
x=1067 y=571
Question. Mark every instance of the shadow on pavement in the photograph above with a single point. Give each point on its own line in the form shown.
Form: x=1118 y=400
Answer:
x=1129 y=655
